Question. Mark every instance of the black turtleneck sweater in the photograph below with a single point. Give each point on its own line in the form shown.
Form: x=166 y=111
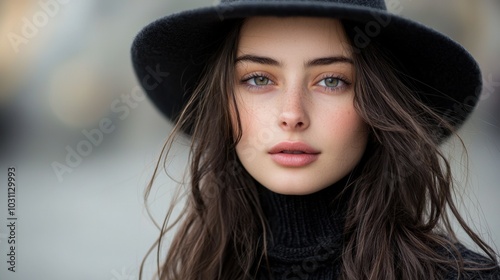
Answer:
x=305 y=236
x=305 y=233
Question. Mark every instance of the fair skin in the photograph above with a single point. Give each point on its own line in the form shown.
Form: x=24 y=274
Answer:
x=294 y=88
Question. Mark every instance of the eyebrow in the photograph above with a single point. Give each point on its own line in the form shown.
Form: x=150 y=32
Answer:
x=314 y=62
x=257 y=59
x=329 y=60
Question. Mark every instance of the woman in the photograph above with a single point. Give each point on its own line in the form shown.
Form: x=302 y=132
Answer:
x=315 y=130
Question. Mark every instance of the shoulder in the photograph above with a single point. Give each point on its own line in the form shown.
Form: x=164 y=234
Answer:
x=477 y=266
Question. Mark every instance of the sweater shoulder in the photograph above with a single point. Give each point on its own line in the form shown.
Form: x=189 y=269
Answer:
x=477 y=266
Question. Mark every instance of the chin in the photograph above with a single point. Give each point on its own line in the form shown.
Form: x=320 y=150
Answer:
x=295 y=188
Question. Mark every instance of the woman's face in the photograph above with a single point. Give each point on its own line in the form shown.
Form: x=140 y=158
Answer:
x=294 y=88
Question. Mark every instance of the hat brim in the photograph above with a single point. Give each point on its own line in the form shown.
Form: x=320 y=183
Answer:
x=169 y=54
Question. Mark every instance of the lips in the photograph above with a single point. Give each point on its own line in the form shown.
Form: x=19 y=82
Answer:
x=293 y=148
x=293 y=154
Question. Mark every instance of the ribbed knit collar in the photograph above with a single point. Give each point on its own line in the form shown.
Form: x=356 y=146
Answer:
x=302 y=225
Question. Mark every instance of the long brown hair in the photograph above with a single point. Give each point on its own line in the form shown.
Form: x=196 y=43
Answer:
x=397 y=224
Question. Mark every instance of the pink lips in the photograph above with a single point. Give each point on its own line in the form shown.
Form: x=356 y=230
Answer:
x=293 y=154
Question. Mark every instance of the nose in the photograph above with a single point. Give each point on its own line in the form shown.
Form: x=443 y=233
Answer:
x=293 y=115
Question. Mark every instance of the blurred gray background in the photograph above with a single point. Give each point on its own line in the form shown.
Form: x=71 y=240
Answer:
x=61 y=80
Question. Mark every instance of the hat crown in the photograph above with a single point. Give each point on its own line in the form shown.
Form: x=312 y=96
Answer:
x=377 y=4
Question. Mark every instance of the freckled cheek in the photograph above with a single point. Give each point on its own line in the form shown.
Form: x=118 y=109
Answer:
x=254 y=135
x=347 y=128
x=248 y=118
x=245 y=111
x=255 y=116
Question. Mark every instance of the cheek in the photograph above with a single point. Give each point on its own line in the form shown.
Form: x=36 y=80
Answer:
x=255 y=119
x=257 y=129
x=246 y=116
x=243 y=114
x=347 y=130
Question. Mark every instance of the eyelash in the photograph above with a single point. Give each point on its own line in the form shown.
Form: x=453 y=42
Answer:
x=344 y=81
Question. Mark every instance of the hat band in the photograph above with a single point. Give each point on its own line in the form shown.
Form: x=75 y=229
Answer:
x=377 y=4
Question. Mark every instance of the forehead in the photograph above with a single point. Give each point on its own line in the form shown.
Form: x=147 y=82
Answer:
x=293 y=35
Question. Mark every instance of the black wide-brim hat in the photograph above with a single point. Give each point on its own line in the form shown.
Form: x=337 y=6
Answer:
x=169 y=54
